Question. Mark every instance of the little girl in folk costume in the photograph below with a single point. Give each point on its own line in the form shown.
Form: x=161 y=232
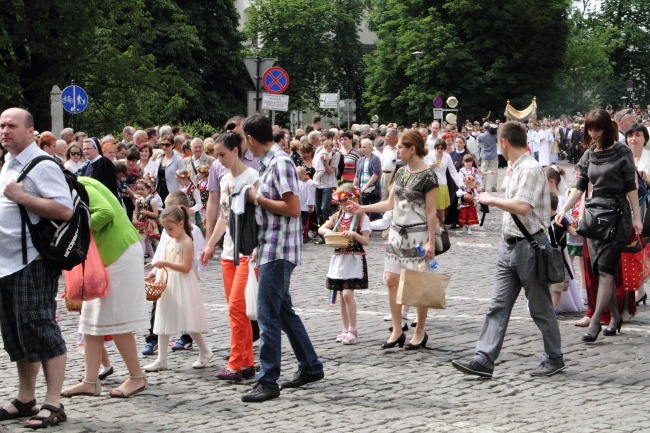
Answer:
x=202 y=186
x=145 y=216
x=193 y=194
x=468 y=194
x=348 y=269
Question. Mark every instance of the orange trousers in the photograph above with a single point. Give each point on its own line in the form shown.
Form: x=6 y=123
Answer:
x=241 y=334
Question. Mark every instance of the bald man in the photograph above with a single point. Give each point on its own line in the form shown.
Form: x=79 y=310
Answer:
x=35 y=338
x=140 y=137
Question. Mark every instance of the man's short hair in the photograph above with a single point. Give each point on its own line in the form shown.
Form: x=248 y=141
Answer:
x=66 y=132
x=151 y=132
x=316 y=119
x=259 y=127
x=313 y=135
x=515 y=133
x=327 y=134
x=127 y=130
x=179 y=139
x=278 y=136
x=391 y=132
x=165 y=129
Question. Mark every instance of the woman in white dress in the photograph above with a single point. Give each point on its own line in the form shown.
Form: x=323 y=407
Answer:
x=442 y=163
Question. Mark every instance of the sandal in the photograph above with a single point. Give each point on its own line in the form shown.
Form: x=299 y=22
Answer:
x=120 y=393
x=95 y=393
x=22 y=410
x=56 y=416
x=583 y=323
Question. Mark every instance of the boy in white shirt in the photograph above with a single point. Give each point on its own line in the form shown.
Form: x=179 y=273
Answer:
x=307 y=200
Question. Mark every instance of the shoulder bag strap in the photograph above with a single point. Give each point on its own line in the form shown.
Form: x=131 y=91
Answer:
x=523 y=230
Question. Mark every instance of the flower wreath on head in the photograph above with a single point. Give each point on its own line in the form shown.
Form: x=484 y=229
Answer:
x=182 y=175
x=341 y=196
x=148 y=180
x=203 y=169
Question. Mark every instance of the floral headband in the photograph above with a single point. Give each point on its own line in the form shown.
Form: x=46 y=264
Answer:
x=204 y=169
x=148 y=180
x=181 y=175
x=344 y=195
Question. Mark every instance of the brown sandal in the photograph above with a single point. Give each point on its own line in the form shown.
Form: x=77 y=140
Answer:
x=23 y=410
x=56 y=416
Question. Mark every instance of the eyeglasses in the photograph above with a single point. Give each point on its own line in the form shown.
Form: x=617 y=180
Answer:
x=165 y=144
x=75 y=153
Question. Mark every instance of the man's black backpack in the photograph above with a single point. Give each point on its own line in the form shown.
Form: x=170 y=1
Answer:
x=62 y=244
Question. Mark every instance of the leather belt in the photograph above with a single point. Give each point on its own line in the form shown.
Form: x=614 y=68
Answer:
x=388 y=171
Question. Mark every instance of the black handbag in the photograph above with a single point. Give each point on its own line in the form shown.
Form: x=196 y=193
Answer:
x=549 y=262
x=600 y=218
x=442 y=238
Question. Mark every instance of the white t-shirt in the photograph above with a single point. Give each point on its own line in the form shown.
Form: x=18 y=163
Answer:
x=228 y=184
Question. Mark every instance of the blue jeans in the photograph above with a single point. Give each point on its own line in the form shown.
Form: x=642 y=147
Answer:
x=323 y=198
x=274 y=314
x=513 y=270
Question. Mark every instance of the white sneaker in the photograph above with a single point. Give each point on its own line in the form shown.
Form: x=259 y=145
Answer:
x=350 y=337
x=388 y=318
x=202 y=361
x=155 y=366
x=469 y=230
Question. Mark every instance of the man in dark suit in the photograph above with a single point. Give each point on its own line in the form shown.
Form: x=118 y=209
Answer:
x=563 y=132
x=573 y=140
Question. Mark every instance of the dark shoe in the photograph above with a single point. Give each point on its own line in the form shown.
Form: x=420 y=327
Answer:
x=414 y=324
x=548 y=369
x=22 y=410
x=588 y=338
x=57 y=416
x=609 y=331
x=151 y=348
x=494 y=190
x=260 y=393
x=248 y=372
x=181 y=345
x=107 y=373
x=473 y=367
x=302 y=377
x=390 y=344
x=645 y=296
x=256 y=330
x=226 y=374
x=423 y=343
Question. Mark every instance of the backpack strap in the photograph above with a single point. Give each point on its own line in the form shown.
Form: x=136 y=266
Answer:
x=23 y=211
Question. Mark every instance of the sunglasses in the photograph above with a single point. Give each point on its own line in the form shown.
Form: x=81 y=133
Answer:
x=165 y=144
x=75 y=153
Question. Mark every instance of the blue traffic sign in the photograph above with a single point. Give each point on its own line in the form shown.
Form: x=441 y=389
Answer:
x=74 y=99
x=275 y=80
x=437 y=102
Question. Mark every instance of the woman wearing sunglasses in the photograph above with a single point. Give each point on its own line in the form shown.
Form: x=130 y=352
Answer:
x=73 y=157
x=166 y=167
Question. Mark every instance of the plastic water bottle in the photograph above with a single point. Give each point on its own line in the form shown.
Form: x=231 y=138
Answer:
x=433 y=264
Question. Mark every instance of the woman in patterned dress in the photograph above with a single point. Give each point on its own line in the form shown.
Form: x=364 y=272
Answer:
x=413 y=202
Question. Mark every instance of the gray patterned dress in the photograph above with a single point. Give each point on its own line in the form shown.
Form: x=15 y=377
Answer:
x=409 y=225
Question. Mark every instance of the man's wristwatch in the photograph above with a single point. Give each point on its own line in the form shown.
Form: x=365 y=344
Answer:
x=256 y=201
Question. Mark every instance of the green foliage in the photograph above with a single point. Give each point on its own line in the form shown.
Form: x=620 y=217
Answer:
x=483 y=53
x=143 y=62
x=315 y=41
x=199 y=128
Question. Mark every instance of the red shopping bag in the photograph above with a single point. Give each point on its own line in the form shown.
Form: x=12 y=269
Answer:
x=87 y=280
x=635 y=264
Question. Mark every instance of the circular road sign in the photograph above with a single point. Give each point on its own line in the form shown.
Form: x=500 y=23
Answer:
x=437 y=102
x=74 y=99
x=275 y=80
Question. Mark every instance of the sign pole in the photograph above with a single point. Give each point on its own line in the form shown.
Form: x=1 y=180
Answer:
x=257 y=84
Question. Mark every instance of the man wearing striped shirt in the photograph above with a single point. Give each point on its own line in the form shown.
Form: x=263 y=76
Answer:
x=279 y=252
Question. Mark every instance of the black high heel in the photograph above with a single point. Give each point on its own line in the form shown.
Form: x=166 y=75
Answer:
x=645 y=296
x=588 y=338
x=390 y=344
x=422 y=344
x=609 y=331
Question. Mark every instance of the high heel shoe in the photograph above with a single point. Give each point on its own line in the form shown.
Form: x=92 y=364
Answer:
x=588 y=338
x=645 y=296
x=390 y=344
x=609 y=331
x=422 y=344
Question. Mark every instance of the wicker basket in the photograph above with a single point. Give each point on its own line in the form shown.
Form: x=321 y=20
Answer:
x=139 y=224
x=336 y=240
x=73 y=306
x=154 y=290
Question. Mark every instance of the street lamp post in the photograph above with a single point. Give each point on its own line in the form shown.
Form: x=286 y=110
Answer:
x=417 y=55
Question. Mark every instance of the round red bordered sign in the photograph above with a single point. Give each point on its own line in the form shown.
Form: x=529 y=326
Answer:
x=275 y=80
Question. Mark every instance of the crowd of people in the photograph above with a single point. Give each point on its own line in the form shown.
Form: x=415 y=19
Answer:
x=257 y=193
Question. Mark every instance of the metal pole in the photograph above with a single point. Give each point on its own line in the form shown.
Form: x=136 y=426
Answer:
x=417 y=66
x=257 y=84
x=348 y=104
